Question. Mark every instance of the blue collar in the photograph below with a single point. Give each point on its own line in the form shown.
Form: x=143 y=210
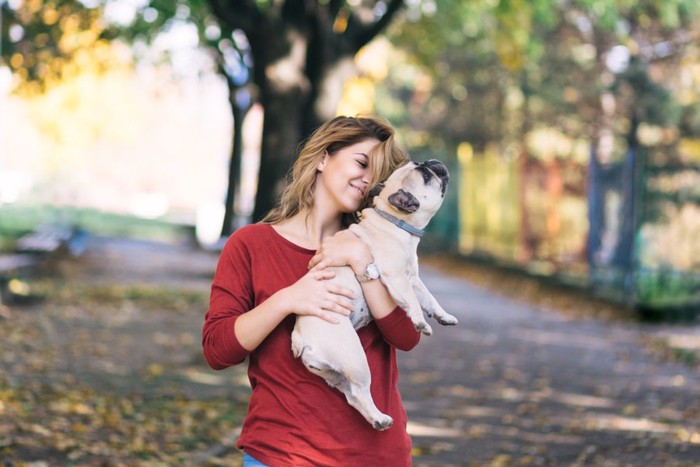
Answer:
x=401 y=224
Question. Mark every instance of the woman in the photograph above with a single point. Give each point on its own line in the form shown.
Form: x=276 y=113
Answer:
x=271 y=271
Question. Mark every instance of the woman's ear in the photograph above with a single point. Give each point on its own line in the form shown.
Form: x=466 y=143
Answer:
x=322 y=162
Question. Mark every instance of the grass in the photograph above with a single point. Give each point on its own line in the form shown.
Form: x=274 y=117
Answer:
x=146 y=296
x=19 y=219
x=569 y=300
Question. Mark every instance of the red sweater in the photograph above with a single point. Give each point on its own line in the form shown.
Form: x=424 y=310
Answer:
x=294 y=417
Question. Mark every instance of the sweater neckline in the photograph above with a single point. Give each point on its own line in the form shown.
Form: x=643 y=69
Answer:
x=289 y=243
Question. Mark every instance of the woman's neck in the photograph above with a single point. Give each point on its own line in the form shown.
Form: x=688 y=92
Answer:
x=308 y=228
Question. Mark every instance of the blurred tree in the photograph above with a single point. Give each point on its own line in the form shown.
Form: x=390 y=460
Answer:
x=298 y=55
x=302 y=54
x=43 y=42
x=490 y=72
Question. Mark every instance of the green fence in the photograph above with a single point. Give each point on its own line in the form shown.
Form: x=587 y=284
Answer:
x=628 y=230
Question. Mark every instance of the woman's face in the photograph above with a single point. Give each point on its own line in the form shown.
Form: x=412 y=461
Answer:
x=344 y=177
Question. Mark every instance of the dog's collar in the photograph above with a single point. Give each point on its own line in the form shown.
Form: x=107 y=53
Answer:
x=401 y=224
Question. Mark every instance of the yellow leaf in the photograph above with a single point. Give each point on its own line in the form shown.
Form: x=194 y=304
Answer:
x=155 y=369
x=40 y=430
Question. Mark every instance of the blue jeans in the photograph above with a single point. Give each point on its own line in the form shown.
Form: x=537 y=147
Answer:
x=249 y=461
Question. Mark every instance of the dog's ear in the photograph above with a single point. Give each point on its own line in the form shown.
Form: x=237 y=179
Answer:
x=376 y=190
x=404 y=201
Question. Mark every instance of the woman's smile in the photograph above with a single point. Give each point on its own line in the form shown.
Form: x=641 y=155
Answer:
x=344 y=176
x=359 y=191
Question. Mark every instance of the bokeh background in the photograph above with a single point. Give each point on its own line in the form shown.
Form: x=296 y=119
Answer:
x=571 y=129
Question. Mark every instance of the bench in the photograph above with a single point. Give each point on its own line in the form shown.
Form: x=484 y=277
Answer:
x=34 y=248
x=44 y=239
x=10 y=267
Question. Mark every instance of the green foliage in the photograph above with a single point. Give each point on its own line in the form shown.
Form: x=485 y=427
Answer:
x=650 y=101
x=666 y=288
x=498 y=69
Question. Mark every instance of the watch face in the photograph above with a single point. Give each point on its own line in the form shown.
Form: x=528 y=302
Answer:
x=372 y=271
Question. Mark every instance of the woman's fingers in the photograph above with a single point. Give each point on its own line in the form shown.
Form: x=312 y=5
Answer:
x=319 y=297
x=323 y=274
x=315 y=261
x=341 y=306
x=342 y=291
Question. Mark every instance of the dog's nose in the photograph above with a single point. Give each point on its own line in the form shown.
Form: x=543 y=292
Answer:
x=437 y=167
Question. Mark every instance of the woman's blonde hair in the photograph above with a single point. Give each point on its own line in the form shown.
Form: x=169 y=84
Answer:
x=330 y=138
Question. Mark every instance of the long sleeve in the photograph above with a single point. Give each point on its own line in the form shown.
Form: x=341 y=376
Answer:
x=231 y=296
x=398 y=330
x=255 y=263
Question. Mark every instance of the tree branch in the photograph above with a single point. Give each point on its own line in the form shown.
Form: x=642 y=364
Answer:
x=238 y=14
x=334 y=7
x=295 y=10
x=365 y=34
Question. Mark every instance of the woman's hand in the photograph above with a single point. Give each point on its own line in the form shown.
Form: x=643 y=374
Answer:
x=342 y=249
x=314 y=295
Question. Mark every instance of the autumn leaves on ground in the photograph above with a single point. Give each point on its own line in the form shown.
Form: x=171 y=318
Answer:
x=107 y=370
x=101 y=364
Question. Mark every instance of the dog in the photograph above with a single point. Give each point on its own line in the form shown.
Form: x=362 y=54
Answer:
x=391 y=228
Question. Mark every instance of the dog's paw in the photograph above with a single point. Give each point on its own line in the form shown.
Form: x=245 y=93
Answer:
x=383 y=423
x=424 y=328
x=446 y=320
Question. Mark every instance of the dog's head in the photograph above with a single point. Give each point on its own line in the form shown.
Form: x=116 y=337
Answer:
x=414 y=192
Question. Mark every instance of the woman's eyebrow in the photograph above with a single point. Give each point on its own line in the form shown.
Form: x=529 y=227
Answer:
x=362 y=154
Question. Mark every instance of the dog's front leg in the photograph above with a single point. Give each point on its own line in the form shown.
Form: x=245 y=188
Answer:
x=401 y=291
x=430 y=305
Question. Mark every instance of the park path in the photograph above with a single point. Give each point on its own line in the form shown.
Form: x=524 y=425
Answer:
x=512 y=384
x=517 y=385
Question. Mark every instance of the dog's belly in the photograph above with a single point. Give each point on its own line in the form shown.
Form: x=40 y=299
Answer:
x=360 y=316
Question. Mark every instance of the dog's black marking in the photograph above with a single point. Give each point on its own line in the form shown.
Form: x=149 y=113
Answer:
x=376 y=190
x=437 y=168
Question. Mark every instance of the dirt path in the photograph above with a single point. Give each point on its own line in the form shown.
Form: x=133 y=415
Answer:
x=113 y=358
x=516 y=385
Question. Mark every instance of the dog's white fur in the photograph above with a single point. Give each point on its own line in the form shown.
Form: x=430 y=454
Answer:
x=413 y=193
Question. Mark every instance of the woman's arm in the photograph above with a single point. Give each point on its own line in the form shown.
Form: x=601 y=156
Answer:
x=233 y=327
x=345 y=249
x=310 y=295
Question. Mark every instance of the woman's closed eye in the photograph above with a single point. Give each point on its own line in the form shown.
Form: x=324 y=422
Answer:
x=363 y=164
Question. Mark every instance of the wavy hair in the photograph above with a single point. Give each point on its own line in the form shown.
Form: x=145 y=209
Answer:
x=331 y=137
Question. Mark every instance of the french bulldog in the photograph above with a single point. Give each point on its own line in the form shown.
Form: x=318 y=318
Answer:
x=392 y=229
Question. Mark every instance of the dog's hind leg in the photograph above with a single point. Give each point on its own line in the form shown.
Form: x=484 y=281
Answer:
x=359 y=396
x=297 y=343
x=344 y=369
x=356 y=390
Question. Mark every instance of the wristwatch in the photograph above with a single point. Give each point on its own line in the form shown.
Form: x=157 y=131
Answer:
x=371 y=273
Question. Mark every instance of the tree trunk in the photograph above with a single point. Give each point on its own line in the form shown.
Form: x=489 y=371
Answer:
x=234 y=169
x=327 y=83
x=280 y=138
x=302 y=54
